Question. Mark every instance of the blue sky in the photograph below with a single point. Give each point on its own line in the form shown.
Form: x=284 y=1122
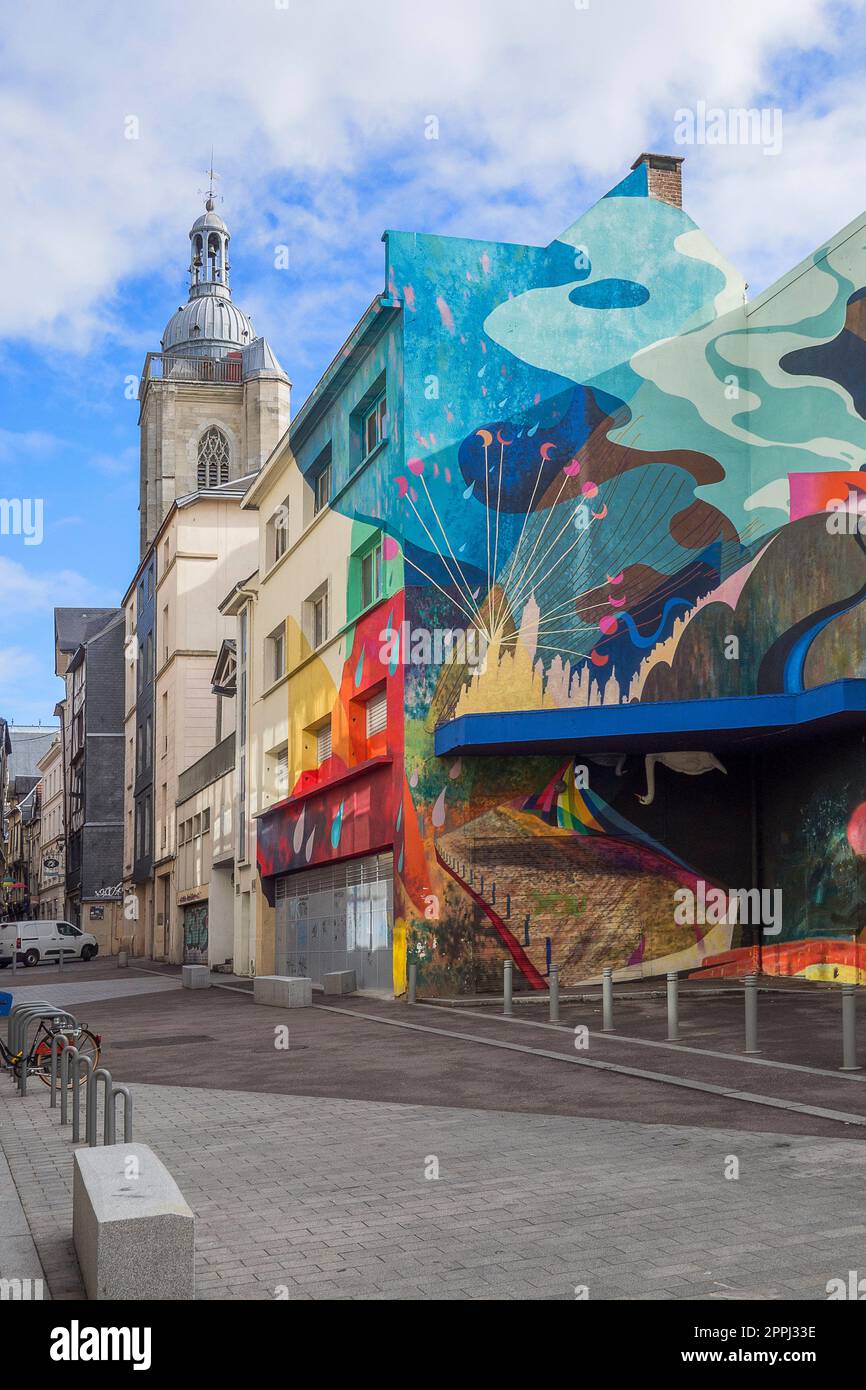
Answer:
x=318 y=111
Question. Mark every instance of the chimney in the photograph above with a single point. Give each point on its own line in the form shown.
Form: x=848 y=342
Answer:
x=664 y=173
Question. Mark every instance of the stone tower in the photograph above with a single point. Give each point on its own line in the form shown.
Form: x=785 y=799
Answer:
x=215 y=400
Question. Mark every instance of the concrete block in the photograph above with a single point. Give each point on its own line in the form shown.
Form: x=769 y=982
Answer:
x=340 y=982
x=195 y=976
x=133 y=1232
x=284 y=991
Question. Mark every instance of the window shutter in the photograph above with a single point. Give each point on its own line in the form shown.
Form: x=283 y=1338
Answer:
x=323 y=743
x=283 y=770
x=377 y=714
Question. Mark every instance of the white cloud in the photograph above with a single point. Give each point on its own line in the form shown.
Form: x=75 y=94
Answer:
x=24 y=591
x=531 y=98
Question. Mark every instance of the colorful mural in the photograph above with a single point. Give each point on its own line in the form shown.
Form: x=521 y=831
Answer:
x=609 y=479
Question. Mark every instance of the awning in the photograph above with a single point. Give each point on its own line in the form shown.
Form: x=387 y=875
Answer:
x=749 y=721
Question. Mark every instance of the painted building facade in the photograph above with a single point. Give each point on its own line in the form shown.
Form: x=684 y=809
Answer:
x=592 y=533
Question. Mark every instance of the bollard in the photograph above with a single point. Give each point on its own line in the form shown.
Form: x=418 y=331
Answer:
x=412 y=987
x=607 y=1000
x=507 y=984
x=127 y=1115
x=673 y=1007
x=751 y=990
x=554 y=993
x=849 y=1029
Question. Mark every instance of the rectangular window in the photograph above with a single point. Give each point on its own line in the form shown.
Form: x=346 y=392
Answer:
x=371 y=575
x=205 y=820
x=323 y=743
x=316 y=617
x=282 y=772
x=377 y=713
x=277 y=650
x=181 y=833
x=196 y=825
x=322 y=489
x=281 y=531
x=375 y=425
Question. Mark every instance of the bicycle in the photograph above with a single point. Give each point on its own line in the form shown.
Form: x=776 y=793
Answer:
x=38 y=1060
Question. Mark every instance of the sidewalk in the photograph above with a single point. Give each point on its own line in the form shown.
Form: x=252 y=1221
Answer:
x=18 y=1257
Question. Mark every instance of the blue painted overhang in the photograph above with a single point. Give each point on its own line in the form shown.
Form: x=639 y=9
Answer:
x=750 y=721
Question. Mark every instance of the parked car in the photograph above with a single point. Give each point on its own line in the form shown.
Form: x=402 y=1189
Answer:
x=43 y=940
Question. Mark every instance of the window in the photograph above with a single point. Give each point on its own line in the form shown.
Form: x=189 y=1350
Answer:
x=181 y=833
x=213 y=458
x=282 y=772
x=323 y=743
x=375 y=426
x=277 y=535
x=277 y=654
x=322 y=488
x=377 y=713
x=371 y=575
x=205 y=820
x=148 y=741
x=196 y=825
x=316 y=617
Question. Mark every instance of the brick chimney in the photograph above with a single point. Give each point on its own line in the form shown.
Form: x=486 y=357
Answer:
x=664 y=176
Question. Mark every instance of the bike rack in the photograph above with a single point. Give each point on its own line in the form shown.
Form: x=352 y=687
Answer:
x=19 y=1025
x=33 y=1016
x=109 y=1121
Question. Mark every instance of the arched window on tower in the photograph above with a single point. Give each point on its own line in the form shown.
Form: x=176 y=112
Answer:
x=213 y=458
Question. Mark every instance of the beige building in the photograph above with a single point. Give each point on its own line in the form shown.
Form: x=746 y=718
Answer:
x=51 y=879
x=204 y=547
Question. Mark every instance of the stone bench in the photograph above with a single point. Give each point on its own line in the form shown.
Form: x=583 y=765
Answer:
x=133 y=1232
x=340 y=982
x=195 y=976
x=284 y=991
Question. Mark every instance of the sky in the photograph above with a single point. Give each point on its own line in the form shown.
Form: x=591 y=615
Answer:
x=320 y=115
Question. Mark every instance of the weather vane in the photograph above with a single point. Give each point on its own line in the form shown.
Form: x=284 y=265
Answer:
x=212 y=174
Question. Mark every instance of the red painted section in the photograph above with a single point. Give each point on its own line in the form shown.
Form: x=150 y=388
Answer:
x=786 y=958
x=510 y=942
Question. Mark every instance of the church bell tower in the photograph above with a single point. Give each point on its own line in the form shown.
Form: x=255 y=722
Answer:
x=214 y=400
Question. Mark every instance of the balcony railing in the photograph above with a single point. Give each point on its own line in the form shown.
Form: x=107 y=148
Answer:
x=168 y=366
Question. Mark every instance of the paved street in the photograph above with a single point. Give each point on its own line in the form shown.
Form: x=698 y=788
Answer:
x=307 y=1168
x=328 y=1198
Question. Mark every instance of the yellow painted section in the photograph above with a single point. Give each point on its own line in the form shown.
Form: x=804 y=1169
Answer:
x=399 y=955
x=836 y=974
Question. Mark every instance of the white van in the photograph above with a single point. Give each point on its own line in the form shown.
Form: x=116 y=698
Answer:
x=43 y=940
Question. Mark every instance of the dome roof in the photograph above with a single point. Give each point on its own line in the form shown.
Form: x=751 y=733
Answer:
x=209 y=222
x=210 y=318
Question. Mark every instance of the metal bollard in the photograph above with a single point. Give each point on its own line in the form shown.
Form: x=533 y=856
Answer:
x=507 y=986
x=849 y=1029
x=751 y=991
x=127 y=1115
x=554 y=993
x=607 y=1000
x=412 y=987
x=673 y=1007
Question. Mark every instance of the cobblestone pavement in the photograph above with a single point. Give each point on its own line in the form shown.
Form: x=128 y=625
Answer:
x=325 y=1198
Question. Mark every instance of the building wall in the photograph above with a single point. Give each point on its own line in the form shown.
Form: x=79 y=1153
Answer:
x=350 y=805
x=211 y=545
x=614 y=475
